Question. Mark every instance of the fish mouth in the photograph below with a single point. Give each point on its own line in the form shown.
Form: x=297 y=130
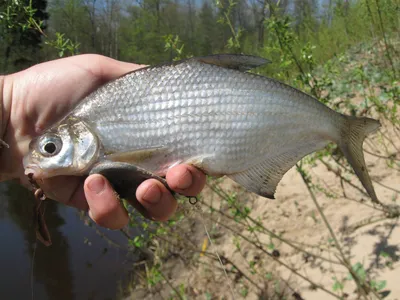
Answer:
x=32 y=169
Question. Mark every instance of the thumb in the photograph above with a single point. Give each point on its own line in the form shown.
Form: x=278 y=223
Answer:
x=104 y=205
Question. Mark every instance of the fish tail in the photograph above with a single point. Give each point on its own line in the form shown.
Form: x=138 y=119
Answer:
x=353 y=132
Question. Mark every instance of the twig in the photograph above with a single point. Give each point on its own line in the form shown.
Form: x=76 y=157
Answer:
x=390 y=157
x=377 y=182
x=281 y=262
x=338 y=174
x=365 y=222
x=346 y=262
x=385 y=39
x=171 y=286
x=270 y=233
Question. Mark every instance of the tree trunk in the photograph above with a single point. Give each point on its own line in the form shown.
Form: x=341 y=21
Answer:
x=261 y=27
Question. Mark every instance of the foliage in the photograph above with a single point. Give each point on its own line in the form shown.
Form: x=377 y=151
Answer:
x=63 y=45
x=21 y=27
x=136 y=31
x=344 y=53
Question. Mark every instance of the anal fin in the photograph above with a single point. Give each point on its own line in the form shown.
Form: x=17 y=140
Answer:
x=263 y=179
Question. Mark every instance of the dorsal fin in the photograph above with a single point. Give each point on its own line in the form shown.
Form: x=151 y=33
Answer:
x=240 y=62
x=234 y=61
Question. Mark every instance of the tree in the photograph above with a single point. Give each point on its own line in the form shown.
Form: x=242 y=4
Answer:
x=305 y=12
x=21 y=30
x=206 y=31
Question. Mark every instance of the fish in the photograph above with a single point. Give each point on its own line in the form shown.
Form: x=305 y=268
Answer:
x=210 y=112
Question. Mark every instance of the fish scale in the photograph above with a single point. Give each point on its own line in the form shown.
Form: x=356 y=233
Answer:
x=241 y=103
x=208 y=112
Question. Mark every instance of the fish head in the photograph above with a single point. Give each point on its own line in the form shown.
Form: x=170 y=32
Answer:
x=69 y=148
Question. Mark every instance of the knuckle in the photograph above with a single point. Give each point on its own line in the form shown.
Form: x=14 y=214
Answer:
x=101 y=218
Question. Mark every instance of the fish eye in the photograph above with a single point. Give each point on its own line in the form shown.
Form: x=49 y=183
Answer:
x=50 y=148
x=50 y=145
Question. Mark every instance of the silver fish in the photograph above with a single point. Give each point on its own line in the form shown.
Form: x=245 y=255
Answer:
x=203 y=111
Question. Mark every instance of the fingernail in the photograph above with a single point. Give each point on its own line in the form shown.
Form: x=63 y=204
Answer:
x=185 y=181
x=152 y=194
x=97 y=184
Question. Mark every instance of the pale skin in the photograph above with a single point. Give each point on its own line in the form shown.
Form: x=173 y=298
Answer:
x=34 y=99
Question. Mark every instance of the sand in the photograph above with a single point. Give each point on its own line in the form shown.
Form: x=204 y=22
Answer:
x=294 y=216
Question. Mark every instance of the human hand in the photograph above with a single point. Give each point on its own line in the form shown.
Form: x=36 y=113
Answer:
x=36 y=98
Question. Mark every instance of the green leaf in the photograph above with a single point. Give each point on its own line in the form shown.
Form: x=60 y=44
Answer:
x=384 y=254
x=378 y=285
x=268 y=276
x=271 y=246
x=359 y=270
x=338 y=285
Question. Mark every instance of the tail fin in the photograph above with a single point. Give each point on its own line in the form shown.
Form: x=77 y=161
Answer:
x=353 y=134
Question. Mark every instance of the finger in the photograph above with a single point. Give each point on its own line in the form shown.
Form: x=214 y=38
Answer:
x=186 y=180
x=156 y=199
x=65 y=189
x=104 y=206
x=89 y=72
x=102 y=67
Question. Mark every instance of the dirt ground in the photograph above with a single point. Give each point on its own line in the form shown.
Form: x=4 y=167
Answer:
x=294 y=216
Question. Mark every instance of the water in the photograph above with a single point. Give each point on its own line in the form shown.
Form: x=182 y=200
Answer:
x=80 y=264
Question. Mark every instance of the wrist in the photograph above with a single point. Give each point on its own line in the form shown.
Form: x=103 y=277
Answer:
x=4 y=116
x=5 y=105
x=2 y=130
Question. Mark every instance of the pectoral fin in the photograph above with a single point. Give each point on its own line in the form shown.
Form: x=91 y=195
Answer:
x=136 y=156
x=125 y=179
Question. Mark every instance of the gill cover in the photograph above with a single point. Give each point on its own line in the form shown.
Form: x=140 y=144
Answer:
x=69 y=148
